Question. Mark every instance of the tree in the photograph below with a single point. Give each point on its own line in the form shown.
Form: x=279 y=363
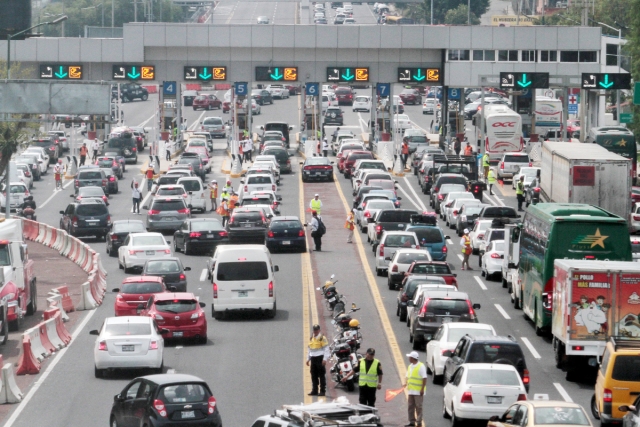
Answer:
x=633 y=50
x=422 y=11
x=459 y=16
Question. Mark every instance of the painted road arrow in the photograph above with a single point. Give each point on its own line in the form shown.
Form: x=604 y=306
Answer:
x=348 y=76
x=133 y=74
x=62 y=75
x=524 y=82
x=205 y=74
x=606 y=84
x=276 y=76
x=419 y=77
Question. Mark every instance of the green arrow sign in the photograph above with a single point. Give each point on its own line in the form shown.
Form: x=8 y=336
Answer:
x=347 y=75
x=524 y=82
x=276 y=74
x=606 y=84
x=61 y=74
x=205 y=75
x=133 y=74
x=419 y=77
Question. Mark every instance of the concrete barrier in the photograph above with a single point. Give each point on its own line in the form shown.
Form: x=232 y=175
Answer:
x=10 y=391
x=52 y=333
x=67 y=302
x=86 y=301
x=37 y=348
x=28 y=363
x=55 y=301
x=44 y=339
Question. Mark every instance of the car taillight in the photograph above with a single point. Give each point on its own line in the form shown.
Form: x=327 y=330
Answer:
x=222 y=234
x=495 y=255
x=381 y=247
x=367 y=214
x=158 y=405
x=480 y=236
x=104 y=199
x=546 y=301
x=472 y=313
x=536 y=190
x=133 y=149
x=378 y=229
x=195 y=234
x=301 y=233
x=74 y=220
x=183 y=211
x=212 y=405
x=102 y=346
x=525 y=377
x=607 y=396
x=246 y=188
x=394 y=268
x=166 y=251
x=636 y=217
x=530 y=164
x=215 y=290
x=270 y=234
x=77 y=183
x=455 y=212
x=153 y=345
x=522 y=396
x=27 y=173
x=466 y=397
x=112 y=178
x=444 y=249
x=153 y=212
x=270 y=289
x=501 y=165
x=114 y=237
x=440 y=197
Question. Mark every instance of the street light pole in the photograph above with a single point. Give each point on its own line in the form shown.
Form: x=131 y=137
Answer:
x=468 y=12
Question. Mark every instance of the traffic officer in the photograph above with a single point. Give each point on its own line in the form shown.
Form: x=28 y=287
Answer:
x=465 y=242
x=226 y=194
x=83 y=153
x=520 y=192
x=57 y=174
x=228 y=188
x=223 y=210
x=317 y=357
x=233 y=202
x=468 y=151
x=370 y=379
x=491 y=179
x=149 y=175
x=316 y=204
x=416 y=382
x=485 y=164
x=325 y=148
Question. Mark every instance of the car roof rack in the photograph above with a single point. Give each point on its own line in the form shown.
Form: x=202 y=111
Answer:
x=625 y=343
x=424 y=219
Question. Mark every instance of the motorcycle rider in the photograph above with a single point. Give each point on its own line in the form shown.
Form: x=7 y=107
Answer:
x=370 y=379
x=28 y=208
x=317 y=357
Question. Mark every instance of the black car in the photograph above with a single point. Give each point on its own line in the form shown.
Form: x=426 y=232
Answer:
x=282 y=156
x=124 y=145
x=88 y=217
x=119 y=231
x=247 y=225
x=170 y=269
x=195 y=161
x=165 y=400
x=491 y=212
x=129 y=92
x=51 y=146
x=467 y=217
x=408 y=290
x=334 y=116
x=32 y=162
x=112 y=181
x=199 y=234
x=317 y=168
x=286 y=233
x=486 y=349
x=262 y=96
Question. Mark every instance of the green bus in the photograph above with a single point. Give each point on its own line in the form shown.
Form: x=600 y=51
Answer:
x=553 y=231
x=619 y=140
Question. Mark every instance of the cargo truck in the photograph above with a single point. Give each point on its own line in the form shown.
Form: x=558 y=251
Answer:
x=586 y=173
x=593 y=300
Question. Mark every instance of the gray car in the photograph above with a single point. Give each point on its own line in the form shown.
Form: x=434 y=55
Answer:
x=91 y=176
x=215 y=126
x=167 y=213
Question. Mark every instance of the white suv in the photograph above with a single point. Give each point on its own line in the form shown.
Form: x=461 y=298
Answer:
x=390 y=242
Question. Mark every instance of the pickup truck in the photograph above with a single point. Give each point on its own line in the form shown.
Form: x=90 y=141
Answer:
x=388 y=220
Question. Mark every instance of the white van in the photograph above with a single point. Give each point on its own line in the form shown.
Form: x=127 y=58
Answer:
x=197 y=194
x=243 y=279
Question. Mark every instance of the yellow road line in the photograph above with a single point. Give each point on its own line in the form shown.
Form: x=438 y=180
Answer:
x=309 y=307
x=377 y=299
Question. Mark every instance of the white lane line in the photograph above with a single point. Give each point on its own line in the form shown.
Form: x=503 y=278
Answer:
x=531 y=347
x=203 y=275
x=460 y=256
x=55 y=193
x=480 y=283
x=449 y=241
x=413 y=202
x=424 y=208
x=171 y=371
x=563 y=392
x=56 y=358
x=501 y=310
x=146 y=121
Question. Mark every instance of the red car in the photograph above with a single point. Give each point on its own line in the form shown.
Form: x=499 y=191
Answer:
x=411 y=96
x=134 y=291
x=351 y=158
x=206 y=102
x=342 y=156
x=180 y=313
x=344 y=95
x=226 y=106
x=433 y=268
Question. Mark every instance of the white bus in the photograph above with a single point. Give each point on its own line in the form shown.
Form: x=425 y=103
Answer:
x=502 y=131
x=548 y=114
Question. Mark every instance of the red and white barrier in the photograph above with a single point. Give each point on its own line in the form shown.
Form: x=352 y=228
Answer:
x=55 y=301
x=28 y=363
x=10 y=391
x=67 y=302
x=86 y=298
x=63 y=334
x=52 y=334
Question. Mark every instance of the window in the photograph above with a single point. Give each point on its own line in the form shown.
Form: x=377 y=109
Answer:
x=243 y=271
x=548 y=56
x=569 y=56
x=508 y=55
x=625 y=368
x=588 y=56
x=484 y=55
x=458 y=54
x=612 y=54
x=529 y=56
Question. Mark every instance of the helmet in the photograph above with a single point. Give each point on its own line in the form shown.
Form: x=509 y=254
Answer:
x=213 y=181
x=328 y=283
x=354 y=323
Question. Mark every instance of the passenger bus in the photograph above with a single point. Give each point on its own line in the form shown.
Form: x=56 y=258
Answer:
x=502 y=130
x=553 y=231
x=619 y=140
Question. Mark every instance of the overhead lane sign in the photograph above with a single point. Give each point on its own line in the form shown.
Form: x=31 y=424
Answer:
x=60 y=72
x=419 y=75
x=606 y=81
x=205 y=73
x=348 y=74
x=134 y=72
x=276 y=74
x=520 y=81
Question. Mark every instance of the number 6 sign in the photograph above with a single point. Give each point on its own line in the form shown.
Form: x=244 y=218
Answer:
x=312 y=89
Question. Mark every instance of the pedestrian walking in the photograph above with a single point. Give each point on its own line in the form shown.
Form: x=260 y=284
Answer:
x=223 y=210
x=317 y=357
x=334 y=136
x=248 y=150
x=213 y=194
x=167 y=149
x=416 y=383
x=370 y=380
x=316 y=204
x=83 y=153
x=468 y=151
x=350 y=225
x=136 y=195
x=404 y=154
x=95 y=148
x=317 y=230
x=520 y=192
x=57 y=174
x=149 y=176
x=457 y=146
x=240 y=151
x=491 y=179
x=325 y=148
x=465 y=242
x=485 y=165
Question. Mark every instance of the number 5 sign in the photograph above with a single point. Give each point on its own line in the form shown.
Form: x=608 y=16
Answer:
x=241 y=88
x=312 y=89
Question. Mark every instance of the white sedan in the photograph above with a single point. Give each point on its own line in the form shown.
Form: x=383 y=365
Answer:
x=140 y=247
x=128 y=342
x=529 y=173
x=42 y=154
x=479 y=391
x=401 y=122
x=362 y=103
x=492 y=258
x=255 y=107
x=27 y=175
x=477 y=234
x=18 y=191
x=447 y=338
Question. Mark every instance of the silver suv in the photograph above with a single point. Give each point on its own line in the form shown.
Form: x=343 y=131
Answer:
x=167 y=213
x=215 y=127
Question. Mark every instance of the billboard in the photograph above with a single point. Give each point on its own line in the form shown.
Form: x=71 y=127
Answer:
x=54 y=97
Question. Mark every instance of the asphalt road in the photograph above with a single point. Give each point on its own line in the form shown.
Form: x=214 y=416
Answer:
x=255 y=365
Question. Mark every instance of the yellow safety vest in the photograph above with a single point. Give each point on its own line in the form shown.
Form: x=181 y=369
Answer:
x=519 y=188
x=369 y=378
x=225 y=195
x=414 y=381
x=315 y=205
x=319 y=342
x=467 y=244
x=485 y=160
x=214 y=192
x=491 y=177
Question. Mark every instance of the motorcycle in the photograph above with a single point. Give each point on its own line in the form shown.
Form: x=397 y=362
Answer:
x=27 y=213
x=332 y=298
x=341 y=320
x=343 y=351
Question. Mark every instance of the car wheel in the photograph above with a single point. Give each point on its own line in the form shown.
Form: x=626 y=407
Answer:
x=202 y=340
x=417 y=345
x=445 y=414
x=504 y=283
x=390 y=285
x=113 y=422
x=186 y=248
x=120 y=265
x=99 y=373
x=455 y=421
x=175 y=245
x=145 y=97
x=32 y=307
x=594 y=408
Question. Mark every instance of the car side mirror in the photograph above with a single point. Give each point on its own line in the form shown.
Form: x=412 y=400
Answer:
x=476 y=306
x=399 y=198
x=115 y=290
x=72 y=195
x=187 y=269
x=359 y=208
x=370 y=220
x=242 y=181
x=94 y=332
x=447 y=237
x=511 y=265
x=61 y=212
x=145 y=207
x=410 y=303
x=117 y=398
x=388 y=258
x=447 y=353
x=494 y=418
x=202 y=305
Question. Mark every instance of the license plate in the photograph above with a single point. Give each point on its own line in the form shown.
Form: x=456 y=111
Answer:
x=168 y=218
x=209 y=236
x=188 y=414
x=332 y=299
x=150 y=252
x=400 y=225
x=260 y=188
x=243 y=294
x=494 y=399
x=92 y=221
x=128 y=348
x=246 y=225
x=446 y=320
x=286 y=242
x=178 y=334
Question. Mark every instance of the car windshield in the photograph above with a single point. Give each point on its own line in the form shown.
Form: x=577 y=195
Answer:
x=174 y=191
x=183 y=393
x=472 y=210
x=489 y=353
x=286 y=225
x=496 y=235
x=142 y=288
x=411 y=257
x=130 y=227
x=428 y=234
x=212 y=121
x=560 y=415
x=400 y=241
x=168 y=179
x=431 y=269
x=206 y=225
x=448 y=188
x=18 y=189
x=120 y=142
x=96 y=209
x=90 y=175
x=259 y=180
x=242 y=270
x=191 y=184
x=168 y=205
x=176 y=305
x=147 y=241
x=380 y=204
x=516 y=159
x=162 y=266
x=117 y=329
x=455 y=334
x=447 y=307
x=492 y=377
x=626 y=368
x=281 y=155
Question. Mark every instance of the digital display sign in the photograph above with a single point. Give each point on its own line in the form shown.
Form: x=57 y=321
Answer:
x=418 y=75
x=205 y=73
x=276 y=74
x=60 y=72
x=134 y=72
x=348 y=74
x=520 y=81
x=606 y=81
